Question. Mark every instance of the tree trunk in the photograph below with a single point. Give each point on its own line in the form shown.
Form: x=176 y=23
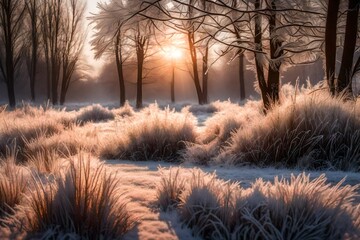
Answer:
x=62 y=96
x=273 y=83
x=172 y=84
x=345 y=74
x=240 y=62
x=11 y=94
x=54 y=83
x=10 y=78
x=192 y=49
x=119 y=67
x=205 y=76
x=10 y=82
x=241 y=77
x=259 y=67
x=34 y=46
x=33 y=66
x=139 y=83
x=330 y=42
x=48 y=72
x=10 y=69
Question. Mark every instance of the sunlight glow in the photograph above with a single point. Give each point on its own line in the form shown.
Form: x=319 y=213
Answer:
x=173 y=53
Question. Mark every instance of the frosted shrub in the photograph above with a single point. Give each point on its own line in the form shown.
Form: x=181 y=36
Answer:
x=170 y=189
x=198 y=109
x=12 y=186
x=200 y=153
x=67 y=143
x=16 y=132
x=218 y=130
x=314 y=131
x=85 y=202
x=298 y=208
x=94 y=113
x=46 y=161
x=153 y=134
x=124 y=111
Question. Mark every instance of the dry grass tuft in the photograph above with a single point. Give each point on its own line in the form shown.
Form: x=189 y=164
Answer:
x=13 y=182
x=85 y=202
x=170 y=189
x=313 y=131
x=218 y=129
x=125 y=111
x=94 y=113
x=153 y=134
x=298 y=208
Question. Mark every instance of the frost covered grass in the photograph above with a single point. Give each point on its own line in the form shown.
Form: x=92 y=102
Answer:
x=28 y=124
x=152 y=134
x=13 y=183
x=82 y=201
x=218 y=129
x=82 y=198
x=94 y=113
x=308 y=130
x=296 y=209
x=313 y=131
x=170 y=190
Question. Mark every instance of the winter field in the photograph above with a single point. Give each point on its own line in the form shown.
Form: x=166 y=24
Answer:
x=217 y=171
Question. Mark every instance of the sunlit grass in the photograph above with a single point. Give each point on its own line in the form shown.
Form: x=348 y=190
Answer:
x=81 y=198
x=86 y=201
x=153 y=134
x=313 y=131
x=13 y=183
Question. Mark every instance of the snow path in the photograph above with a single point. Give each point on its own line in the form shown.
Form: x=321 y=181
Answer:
x=139 y=180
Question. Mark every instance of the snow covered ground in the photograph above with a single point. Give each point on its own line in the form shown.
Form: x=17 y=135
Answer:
x=154 y=133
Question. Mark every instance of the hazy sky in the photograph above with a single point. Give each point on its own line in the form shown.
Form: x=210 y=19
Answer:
x=88 y=55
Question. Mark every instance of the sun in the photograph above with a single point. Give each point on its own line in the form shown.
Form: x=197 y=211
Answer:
x=173 y=53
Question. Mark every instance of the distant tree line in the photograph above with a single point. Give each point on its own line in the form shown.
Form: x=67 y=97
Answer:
x=271 y=34
x=51 y=31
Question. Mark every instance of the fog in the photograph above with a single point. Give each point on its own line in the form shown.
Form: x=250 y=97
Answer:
x=101 y=86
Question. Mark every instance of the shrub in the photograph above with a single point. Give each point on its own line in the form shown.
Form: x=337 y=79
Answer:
x=124 y=111
x=201 y=109
x=218 y=130
x=297 y=209
x=153 y=135
x=18 y=131
x=85 y=202
x=12 y=186
x=170 y=189
x=67 y=143
x=315 y=131
x=46 y=161
x=94 y=113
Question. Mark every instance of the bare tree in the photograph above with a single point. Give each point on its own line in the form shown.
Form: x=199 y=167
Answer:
x=345 y=74
x=72 y=42
x=32 y=53
x=192 y=25
x=52 y=12
x=12 y=14
x=187 y=18
x=349 y=32
x=63 y=38
x=330 y=42
x=110 y=37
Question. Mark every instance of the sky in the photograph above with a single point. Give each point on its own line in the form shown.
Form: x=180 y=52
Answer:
x=95 y=65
